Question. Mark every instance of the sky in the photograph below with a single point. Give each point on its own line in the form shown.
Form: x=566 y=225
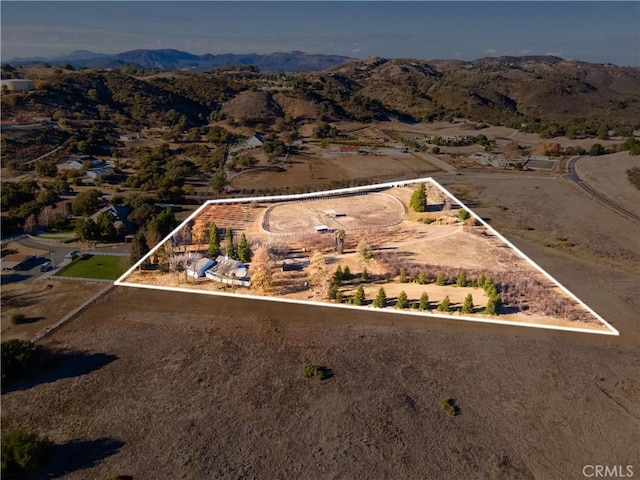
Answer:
x=601 y=32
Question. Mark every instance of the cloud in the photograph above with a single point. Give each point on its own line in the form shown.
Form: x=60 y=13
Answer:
x=555 y=54
x=356 y=50
x=526 y=52
x=490 y=51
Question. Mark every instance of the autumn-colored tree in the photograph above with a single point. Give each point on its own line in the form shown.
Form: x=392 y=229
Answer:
x=262 y=271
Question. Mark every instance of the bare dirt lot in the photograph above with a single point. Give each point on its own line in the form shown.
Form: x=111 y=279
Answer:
x=218 y=392
x=43 y=302
x=607 y=175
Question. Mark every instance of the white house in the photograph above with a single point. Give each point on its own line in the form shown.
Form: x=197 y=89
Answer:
x=228 y=271
x=198 y=267
x=255 y=141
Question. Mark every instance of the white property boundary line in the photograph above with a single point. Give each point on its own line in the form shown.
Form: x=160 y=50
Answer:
x=343 y=191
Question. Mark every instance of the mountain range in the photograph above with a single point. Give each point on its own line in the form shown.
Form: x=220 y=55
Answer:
x=169 y=59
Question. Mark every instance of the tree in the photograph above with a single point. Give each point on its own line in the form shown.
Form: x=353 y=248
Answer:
x=441 y=279
x=424 y=302
x=445 y=306
x=381 y=298
x=87 y=230
x=597 y=149
x=334 y=291
x=358 y=297
x=364 y=250
x=462 y=279
x=418 y=201
x=46 y=168
x=214 y=241
x=139 y=247
x=493 y=305
x=364 y=276
x=229 y=249
x=403 y=301
x=86 y=202
x=104 y=224
x=19 y=358
x=403 y=276
x=22 y=452
x=244 y=252
x=422 y=278
x=340 y=236
x=346 y=273
x=467 y=306
x=338 y=275
x=463 y=214
x=262 y=271
x=218 y=182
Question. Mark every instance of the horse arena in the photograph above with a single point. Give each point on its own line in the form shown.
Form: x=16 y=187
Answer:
x=347 y=212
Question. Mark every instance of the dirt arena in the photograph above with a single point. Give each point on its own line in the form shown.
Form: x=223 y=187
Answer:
x=348 y=213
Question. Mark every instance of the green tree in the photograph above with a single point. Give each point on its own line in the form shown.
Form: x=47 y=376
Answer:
x=19 y=358
x=86 y=202
x=381 y=298
x=418 y=201
x=441 y=279
x=214 y=241
x=403 y=276
x=364 y=250
x=340 y=236
x=493 y=305
x=422 y=278
x=462 y=279
x=334 y=290
x=346 y=273
x=218 y=182
x=244 y=252
x=46 y=168
x=463 y=214
x=364 y=276
x=87 y=230
x=229 y=249
x=23 y=452
x=358 y=298
x=139 y=247
x=467 y=306
x=597 y=149
x=445 y=306
x=403 y=301
x=104 y=224
x=338 y=275
x=424 y=302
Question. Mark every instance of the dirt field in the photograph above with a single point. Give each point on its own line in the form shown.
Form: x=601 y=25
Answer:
x=606 y=174
x=43 y=302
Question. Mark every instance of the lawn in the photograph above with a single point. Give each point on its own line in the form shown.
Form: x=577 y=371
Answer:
x=105 y=267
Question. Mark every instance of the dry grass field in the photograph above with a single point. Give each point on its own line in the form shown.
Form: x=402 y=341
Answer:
x=192 y=386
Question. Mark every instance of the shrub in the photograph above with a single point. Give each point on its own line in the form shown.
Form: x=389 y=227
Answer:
x=462 y=279
x=18 y=318
x=22 y=451
x=422 y=278
x=19 y=358
x=441 y=279
x=346 y=273
x=448 y=405
x=316 y=371
x=463 y=215
x=358 y=298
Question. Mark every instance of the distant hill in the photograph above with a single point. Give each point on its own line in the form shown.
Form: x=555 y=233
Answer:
x=169 y=59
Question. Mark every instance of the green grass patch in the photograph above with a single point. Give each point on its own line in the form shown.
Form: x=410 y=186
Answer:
x=105 y=267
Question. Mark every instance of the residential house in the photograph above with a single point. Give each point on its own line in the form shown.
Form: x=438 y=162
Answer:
x=229 y=272
x=198 y=267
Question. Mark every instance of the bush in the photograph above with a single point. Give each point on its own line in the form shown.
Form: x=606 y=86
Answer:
x=403 y=301
x=441 y=279
x=316 y=371
x=22 y=451
x=463 y=215
x=448 y=405
x=18 y=318
x=445 y=306
x=424 y=302
x=19 y=358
